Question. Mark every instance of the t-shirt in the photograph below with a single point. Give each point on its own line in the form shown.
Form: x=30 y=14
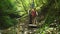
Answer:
x=33 y=13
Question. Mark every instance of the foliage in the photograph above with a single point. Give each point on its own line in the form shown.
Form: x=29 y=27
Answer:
x=6 y=8
x=47 y=8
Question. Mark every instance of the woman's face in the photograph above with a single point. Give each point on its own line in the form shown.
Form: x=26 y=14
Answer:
x=32 y=9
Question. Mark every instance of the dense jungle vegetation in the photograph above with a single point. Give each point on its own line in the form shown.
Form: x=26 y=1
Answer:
x=10 y=10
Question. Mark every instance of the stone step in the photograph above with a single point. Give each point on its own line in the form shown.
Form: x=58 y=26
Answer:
x=33 y=26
